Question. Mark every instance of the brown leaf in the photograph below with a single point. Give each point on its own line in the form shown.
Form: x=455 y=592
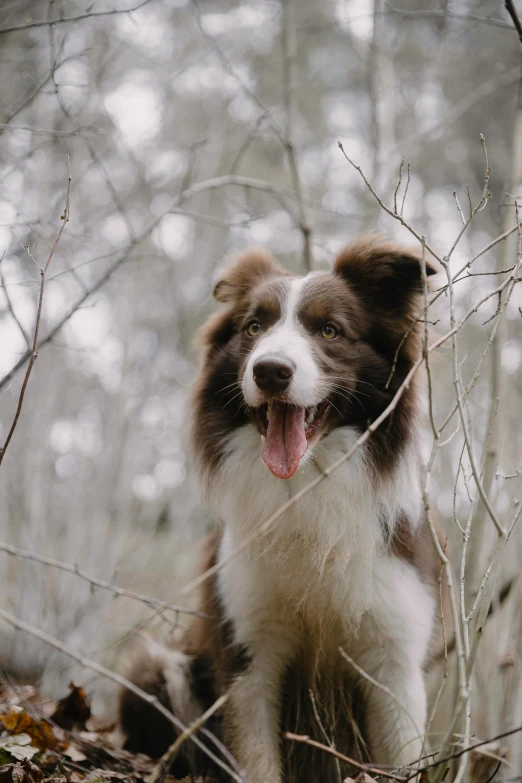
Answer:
x=21 y=772
x=17 y=721
x=73 y=710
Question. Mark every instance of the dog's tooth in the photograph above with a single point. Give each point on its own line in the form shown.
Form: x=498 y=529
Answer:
x=311 y=415
x=262 y=438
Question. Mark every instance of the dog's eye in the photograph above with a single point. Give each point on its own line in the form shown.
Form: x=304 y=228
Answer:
x=253 y=328
x=329 y=332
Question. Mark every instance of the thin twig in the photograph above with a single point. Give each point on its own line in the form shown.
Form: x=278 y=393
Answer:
x=386 y=208
x=512 y=11
x=34 y=352
x=457 y=754
x=357 y=764
x=408 y=178
x=164 y=763
x=288 y=30
x=329 y=740
x=455 y=196
x=69 y=19
x=398 y=186
x=93 y=580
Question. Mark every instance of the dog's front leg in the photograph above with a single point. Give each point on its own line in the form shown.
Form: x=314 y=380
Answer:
x=252 y=716
x=395 y=717
x=391 y=648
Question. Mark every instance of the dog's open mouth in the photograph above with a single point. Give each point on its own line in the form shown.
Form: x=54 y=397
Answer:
x=287 y=430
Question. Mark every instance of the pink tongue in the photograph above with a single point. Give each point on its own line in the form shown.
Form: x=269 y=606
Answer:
x=285 y=441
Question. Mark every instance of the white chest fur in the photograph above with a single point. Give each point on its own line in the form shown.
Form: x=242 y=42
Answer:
x=322 y=552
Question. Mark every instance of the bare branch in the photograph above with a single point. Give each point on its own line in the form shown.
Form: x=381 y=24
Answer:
x=93 y=580
x=289 y=56
x=458 y=753
x=34 y=354
x=387 y=209
x=357 y=764
x=69 y=19
x=512 y=11
x=438 y=14
x=398 y=186
x=56 y=134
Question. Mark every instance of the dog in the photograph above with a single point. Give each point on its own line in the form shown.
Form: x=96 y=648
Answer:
x=323 y=624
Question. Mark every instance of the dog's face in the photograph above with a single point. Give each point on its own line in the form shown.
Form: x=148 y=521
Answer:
x=298 y=362
x=299 y=356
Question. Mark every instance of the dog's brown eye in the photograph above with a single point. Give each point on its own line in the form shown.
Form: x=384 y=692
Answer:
x=329 y=332
x=253 y=328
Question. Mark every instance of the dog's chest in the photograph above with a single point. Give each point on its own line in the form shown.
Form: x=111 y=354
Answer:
x=318 y=558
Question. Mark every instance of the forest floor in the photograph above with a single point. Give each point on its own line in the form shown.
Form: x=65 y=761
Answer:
x=61 y=742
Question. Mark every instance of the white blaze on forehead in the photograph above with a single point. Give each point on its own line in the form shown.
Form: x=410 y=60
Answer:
x=288 y=339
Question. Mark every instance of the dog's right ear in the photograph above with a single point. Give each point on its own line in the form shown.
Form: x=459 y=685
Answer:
x=247 y=271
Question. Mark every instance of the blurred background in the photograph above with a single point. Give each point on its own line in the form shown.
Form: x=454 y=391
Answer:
x=194 y=130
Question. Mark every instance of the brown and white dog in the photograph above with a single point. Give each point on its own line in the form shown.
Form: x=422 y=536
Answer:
x=295 y=369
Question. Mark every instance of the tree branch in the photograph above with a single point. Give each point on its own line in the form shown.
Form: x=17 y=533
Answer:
x=69 y=19
x=93 y=580
x=33 y=353
x=512 y=11
x=357 y=764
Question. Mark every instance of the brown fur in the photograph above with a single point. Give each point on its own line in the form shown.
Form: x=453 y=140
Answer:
x=249 y=269
x=418 y=549
x=146 y=730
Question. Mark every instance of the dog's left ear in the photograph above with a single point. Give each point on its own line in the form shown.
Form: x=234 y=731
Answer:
x=385 y=275
x=247 y=271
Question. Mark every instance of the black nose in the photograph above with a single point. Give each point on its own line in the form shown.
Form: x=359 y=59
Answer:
x=273 y=374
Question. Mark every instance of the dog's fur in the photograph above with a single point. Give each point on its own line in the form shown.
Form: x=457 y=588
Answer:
x=350 y=565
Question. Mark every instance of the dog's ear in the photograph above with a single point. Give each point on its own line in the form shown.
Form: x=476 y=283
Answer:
x=247 y=271
x=385 y=275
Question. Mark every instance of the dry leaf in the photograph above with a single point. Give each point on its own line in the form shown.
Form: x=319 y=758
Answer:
x=26 y=772
x=16 y=721
x=74 y=753
x=18 y=746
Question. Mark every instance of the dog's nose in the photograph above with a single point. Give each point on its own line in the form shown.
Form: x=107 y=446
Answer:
x=273 y=374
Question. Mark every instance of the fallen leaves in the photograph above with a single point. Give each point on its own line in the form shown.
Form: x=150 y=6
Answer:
x=49 y=743
x=42 y=734
x=26 y=772
x=19 y=746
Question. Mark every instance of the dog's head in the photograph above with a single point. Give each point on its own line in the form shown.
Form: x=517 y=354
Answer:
x=299 y=356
